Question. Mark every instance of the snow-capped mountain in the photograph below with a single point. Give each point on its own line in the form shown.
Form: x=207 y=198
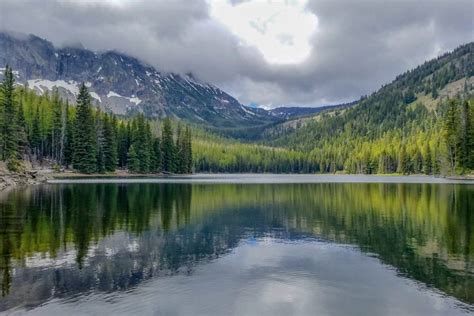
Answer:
x=123 y=84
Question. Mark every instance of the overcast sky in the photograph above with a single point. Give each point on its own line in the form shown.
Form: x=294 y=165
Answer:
x=272 y=53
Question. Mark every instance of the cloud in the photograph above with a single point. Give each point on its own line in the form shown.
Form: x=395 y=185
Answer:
x=308 y=53
x=280 y=30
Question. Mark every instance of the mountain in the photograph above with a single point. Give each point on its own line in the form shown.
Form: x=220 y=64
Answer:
x=290 y=112
x=399 y=128
x=394 y=106
x=122 y=84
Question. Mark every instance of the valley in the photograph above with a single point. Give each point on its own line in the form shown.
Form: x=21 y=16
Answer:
x=236 y=157
x=400 y=129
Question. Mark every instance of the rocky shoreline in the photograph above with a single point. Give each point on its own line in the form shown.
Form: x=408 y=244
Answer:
x=8 y=180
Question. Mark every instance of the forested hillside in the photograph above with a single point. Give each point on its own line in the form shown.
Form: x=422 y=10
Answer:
x=421 y=122
x=213 y=153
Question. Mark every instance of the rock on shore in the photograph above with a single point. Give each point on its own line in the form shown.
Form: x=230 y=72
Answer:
x=8 y=179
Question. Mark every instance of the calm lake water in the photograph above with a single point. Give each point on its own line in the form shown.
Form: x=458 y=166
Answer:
x=246 y=245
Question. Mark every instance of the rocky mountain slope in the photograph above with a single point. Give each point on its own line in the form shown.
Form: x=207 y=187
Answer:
x=122 y=84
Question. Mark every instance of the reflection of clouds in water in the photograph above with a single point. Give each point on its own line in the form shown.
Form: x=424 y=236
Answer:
x=109 y=246
x=274 y=278
x=251 y=247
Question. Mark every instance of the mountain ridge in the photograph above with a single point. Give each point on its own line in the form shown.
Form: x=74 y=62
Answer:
x=123 y=84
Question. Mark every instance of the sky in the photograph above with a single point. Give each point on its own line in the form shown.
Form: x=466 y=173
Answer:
x=266 y=52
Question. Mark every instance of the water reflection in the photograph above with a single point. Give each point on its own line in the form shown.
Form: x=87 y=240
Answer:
x=60 y=241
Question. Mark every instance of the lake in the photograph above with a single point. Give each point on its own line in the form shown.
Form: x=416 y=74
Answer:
x=239 y=245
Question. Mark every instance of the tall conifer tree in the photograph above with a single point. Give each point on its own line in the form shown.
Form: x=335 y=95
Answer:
x=84 y=149
x=451 y=125
x=110 y=144
x=167 y=145
x=9 y=142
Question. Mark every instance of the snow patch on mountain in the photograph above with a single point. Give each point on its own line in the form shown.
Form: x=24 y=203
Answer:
x=43 y=85
x=113 y=94
x=247 y=110
x=132 y=99
x=95 y=96
x=15 y=72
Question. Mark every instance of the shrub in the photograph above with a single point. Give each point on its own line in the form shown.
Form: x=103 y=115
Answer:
x=15 y=165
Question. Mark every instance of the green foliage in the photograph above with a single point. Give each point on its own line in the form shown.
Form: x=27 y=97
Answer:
x=466 y=137
x=133 y=160
x=388 y=131
x=228 y=156
x=47 y=129
x=85 y=147
x=168 y=147
x=15 y=165
x=110 y=143
x=157 y=157
x=427 y=160
x=9 y=135
x=187 y=151
x=141 y=144
x=22 y=132
x=458 y=135
x=179 y=165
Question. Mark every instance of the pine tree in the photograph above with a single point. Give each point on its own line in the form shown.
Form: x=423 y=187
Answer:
x=157 y=156
x=9 y=139
x=84 y=149
x=100 y=141
x=451 y=124
x=56 y=128
x=179 y=151
x=188 y=151
x=133 y=160
x=22 y=132
x=110 y=144
x=146 y=151
x=465 y=143
x=436 y=161
x=427 y=160
x=35 y=134
x=68 y=135
x=123 y=144
x=403 y=161
x=168 y=149
x=418 y=162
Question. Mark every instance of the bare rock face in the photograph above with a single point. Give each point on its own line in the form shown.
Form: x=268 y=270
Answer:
x=122 y=84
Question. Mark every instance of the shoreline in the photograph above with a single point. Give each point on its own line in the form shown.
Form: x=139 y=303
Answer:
x=258 y=178
x=35 y=177
x=120 y=174
x=9 y=180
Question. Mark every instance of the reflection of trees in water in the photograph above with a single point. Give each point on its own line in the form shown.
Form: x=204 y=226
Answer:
x=422 y=230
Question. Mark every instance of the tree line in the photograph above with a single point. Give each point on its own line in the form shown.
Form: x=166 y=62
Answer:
x=434 y=142
x=458 y=134
x=47 y=129
x=388 y=132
